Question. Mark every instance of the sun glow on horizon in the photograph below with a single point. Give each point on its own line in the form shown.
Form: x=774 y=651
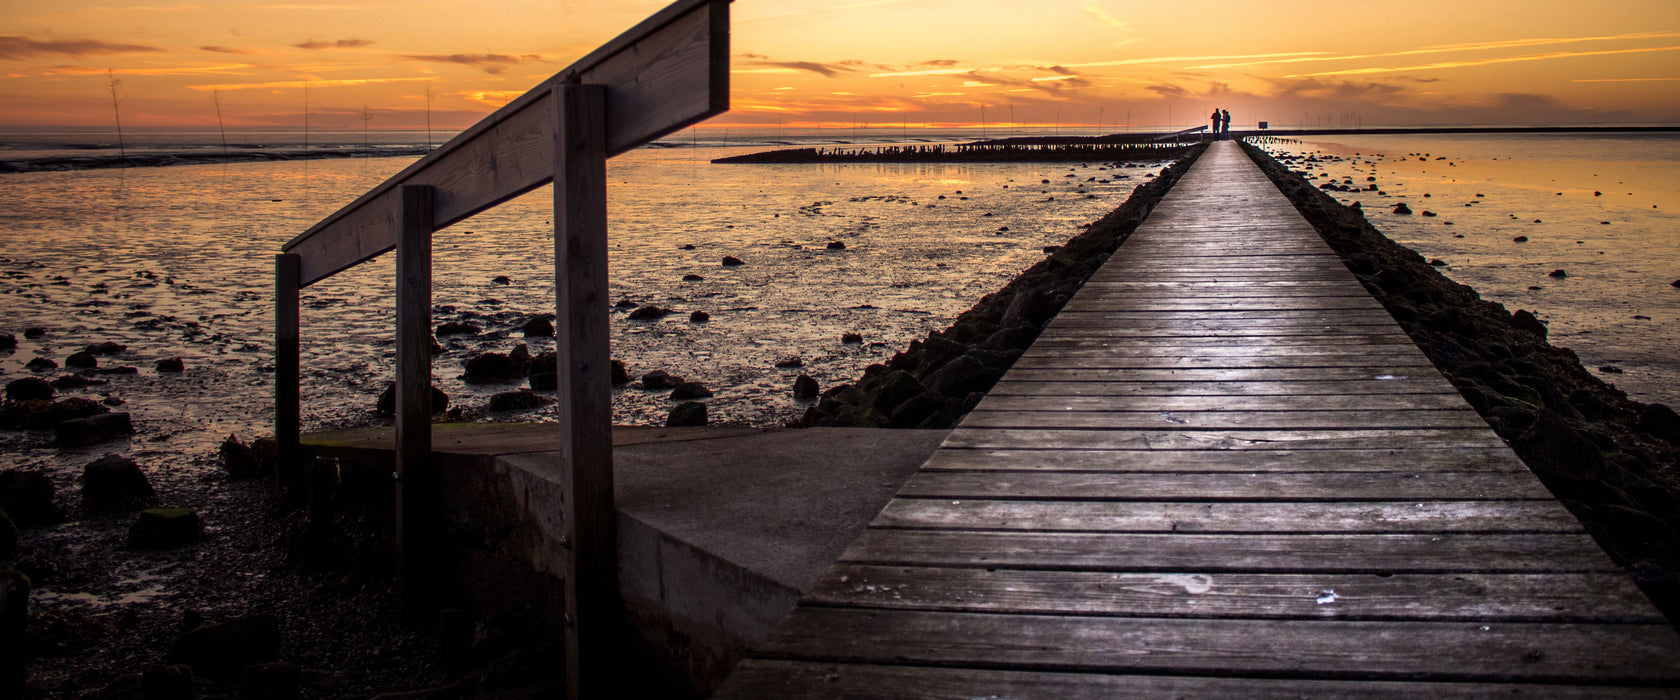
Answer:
x=939 y=63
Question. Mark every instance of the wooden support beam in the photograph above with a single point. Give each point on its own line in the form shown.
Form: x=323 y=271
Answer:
x=416 y=479
x=287 y=374
x=585 y=387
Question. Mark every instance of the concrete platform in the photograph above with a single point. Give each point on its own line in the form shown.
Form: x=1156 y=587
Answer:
x=720 y=529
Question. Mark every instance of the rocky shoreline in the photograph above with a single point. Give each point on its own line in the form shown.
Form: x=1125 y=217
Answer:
x=936 y=381
x=1611 y=460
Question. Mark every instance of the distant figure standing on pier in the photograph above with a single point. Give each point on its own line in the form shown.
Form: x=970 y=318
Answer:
x=1215 y=118
x=1224 y=125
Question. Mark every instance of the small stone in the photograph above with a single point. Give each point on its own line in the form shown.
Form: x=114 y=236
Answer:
x=165 y=528
x=620 y=375
x=106 y=348
x=544 y=381
x=538 y=327
x=650 y=313
x=688 y=391
x=1610 y=369
x=1401 y=208
x=625 y=304
x=732 y=261
x=687 y=414
x=839 y=245
x=687 y=246
x=1437 y=262
x=851 y=338
x=1427 y=212
x=386 y=404
x=457 y=328
x=34 y=332
x=518 y=401
x=50 y=415
x=699 y=317
x=1557 y=273
x=29 y=389
x=172 y=365
x=691 y=277
x=805 y=387
x=8 y=341
x=114 y=484
x=495 y=367
x=789 y=362
x=40 y=364
x=659 y=379
x=501 y=279
x=1520 y=239
x=93 y=429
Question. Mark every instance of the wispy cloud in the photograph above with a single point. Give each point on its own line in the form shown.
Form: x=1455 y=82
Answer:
x=285 y=84
x=227 y=49
x=826 y=70
x=1095 y=10
x=1486 y=61
x=338 y=44
x=1622 y=80
x=14 y=47
x=1189 y=59
x=220 y=69
x=1453 y=48
x=492 y=63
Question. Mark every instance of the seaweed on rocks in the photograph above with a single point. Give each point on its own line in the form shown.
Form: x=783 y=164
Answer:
x=1610 y=459
x=936 y=381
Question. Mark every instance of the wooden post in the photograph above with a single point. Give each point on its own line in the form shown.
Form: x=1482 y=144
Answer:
x=288 y=410
x=585 y=387
x=416 y=486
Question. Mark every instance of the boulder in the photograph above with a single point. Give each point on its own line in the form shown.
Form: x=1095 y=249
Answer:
x=40 y=364
x=34 y=332
x=962 y=376
x=165 y=528
x=29 y=389
x=1555 y=449
x=836 y=245
x=114 y=484
x=851 y=338
x=496 y=367
x=458 y=328
x=687 y=414
x=691 y=277
x=106 y=348
x=85 y=360
x=1560 y=274
x=916 y=410
x=221 y=652
x=49 y=415
x=699 y=317
x=518 y=401
x=171 y=365
x=1661 y=421
x=539 y=327
x=688 y=391
x=93 y=429
x=543 y=381
x=387 y=402
x=27 y=496
x=650 y=313
x=659 y=379
x=620 y=375
x=239 y=459
x=789 y=362
x=275 y=680
x=1402 y=209
x=74 y=381
x=1526 y=321
x=805 y=387
x=732 y=261
x=894 y=389
x=8 y=341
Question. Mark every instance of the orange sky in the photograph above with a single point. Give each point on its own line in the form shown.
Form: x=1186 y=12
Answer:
x=880 y=62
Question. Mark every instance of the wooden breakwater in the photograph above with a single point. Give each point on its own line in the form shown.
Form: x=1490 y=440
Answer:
x=983 y=152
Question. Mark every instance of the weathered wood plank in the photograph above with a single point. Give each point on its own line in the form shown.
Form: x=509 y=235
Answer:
x=800 y=680
x=1425 y=484
x=1104 y=360
x=1223 y=420
x=1013 y=386
x=1108 y=303
x=1424 y=376
x=1605 y=597
x=1456 y=651
x=1266 y=347
x=662 y=75
x=1243 y=517
x=288 y=401
x=1061 y=458
x=1218 y=403
x=417 y=483
x=1235 y=440
x=1268 y=553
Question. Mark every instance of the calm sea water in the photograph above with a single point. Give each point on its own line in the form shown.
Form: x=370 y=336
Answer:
x=1605 y=209
x=178 y=262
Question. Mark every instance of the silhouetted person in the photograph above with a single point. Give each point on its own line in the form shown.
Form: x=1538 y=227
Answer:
x=1215 y=118
x=1224 y=125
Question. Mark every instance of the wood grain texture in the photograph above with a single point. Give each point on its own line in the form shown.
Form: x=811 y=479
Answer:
x=1253 y=486
x=1258 y=461
x=416 y=488
x=1026 y=513
x=288 y=406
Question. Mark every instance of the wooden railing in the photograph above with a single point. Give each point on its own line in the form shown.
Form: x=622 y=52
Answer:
x=666 y=73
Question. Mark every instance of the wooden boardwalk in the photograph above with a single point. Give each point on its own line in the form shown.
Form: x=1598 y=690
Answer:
x=1222 y=471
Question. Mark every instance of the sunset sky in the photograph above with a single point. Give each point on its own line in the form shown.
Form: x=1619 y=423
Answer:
x=879 y=62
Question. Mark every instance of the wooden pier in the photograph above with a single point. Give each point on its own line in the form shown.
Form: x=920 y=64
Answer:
x=1222 y=471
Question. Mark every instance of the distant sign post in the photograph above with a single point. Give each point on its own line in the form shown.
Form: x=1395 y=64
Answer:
x=668 y=72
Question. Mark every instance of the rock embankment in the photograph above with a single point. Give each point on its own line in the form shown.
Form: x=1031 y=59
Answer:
x=935 y=381
x=1610 y=459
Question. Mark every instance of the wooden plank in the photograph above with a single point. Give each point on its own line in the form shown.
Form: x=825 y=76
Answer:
x=1446 y=651
x=1059 y=458
x=1012 y=386
x=288 y=406
x=1412 y=360
x=1349 y=341
x=1346 y=487
x=584 y=413
x=1107 y=303
x=1604 y=597
x=1191 y=318
x=662 y=75
x=1376 y=373
x=417 y=480
x=803 y=680
x=1234 y=440
x=1244 y=517
x=1267 y=553
x=1222 y=403
x=1224 y=420
x=1068 y=348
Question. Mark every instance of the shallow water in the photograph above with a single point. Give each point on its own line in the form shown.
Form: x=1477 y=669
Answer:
x=1605 y=209
x=177 y=262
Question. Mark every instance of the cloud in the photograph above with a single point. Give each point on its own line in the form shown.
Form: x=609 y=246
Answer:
x=1487 y=61
x=1453 y=48
x=1168 y=90
x=20 y=47
x=1188 y=59
x=1095 y=10
x=492 y=63
x=340 y=44
x=826 y=70
x=1622 y=80
x=221 y=69
x=226 y=49
x=940 y=62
